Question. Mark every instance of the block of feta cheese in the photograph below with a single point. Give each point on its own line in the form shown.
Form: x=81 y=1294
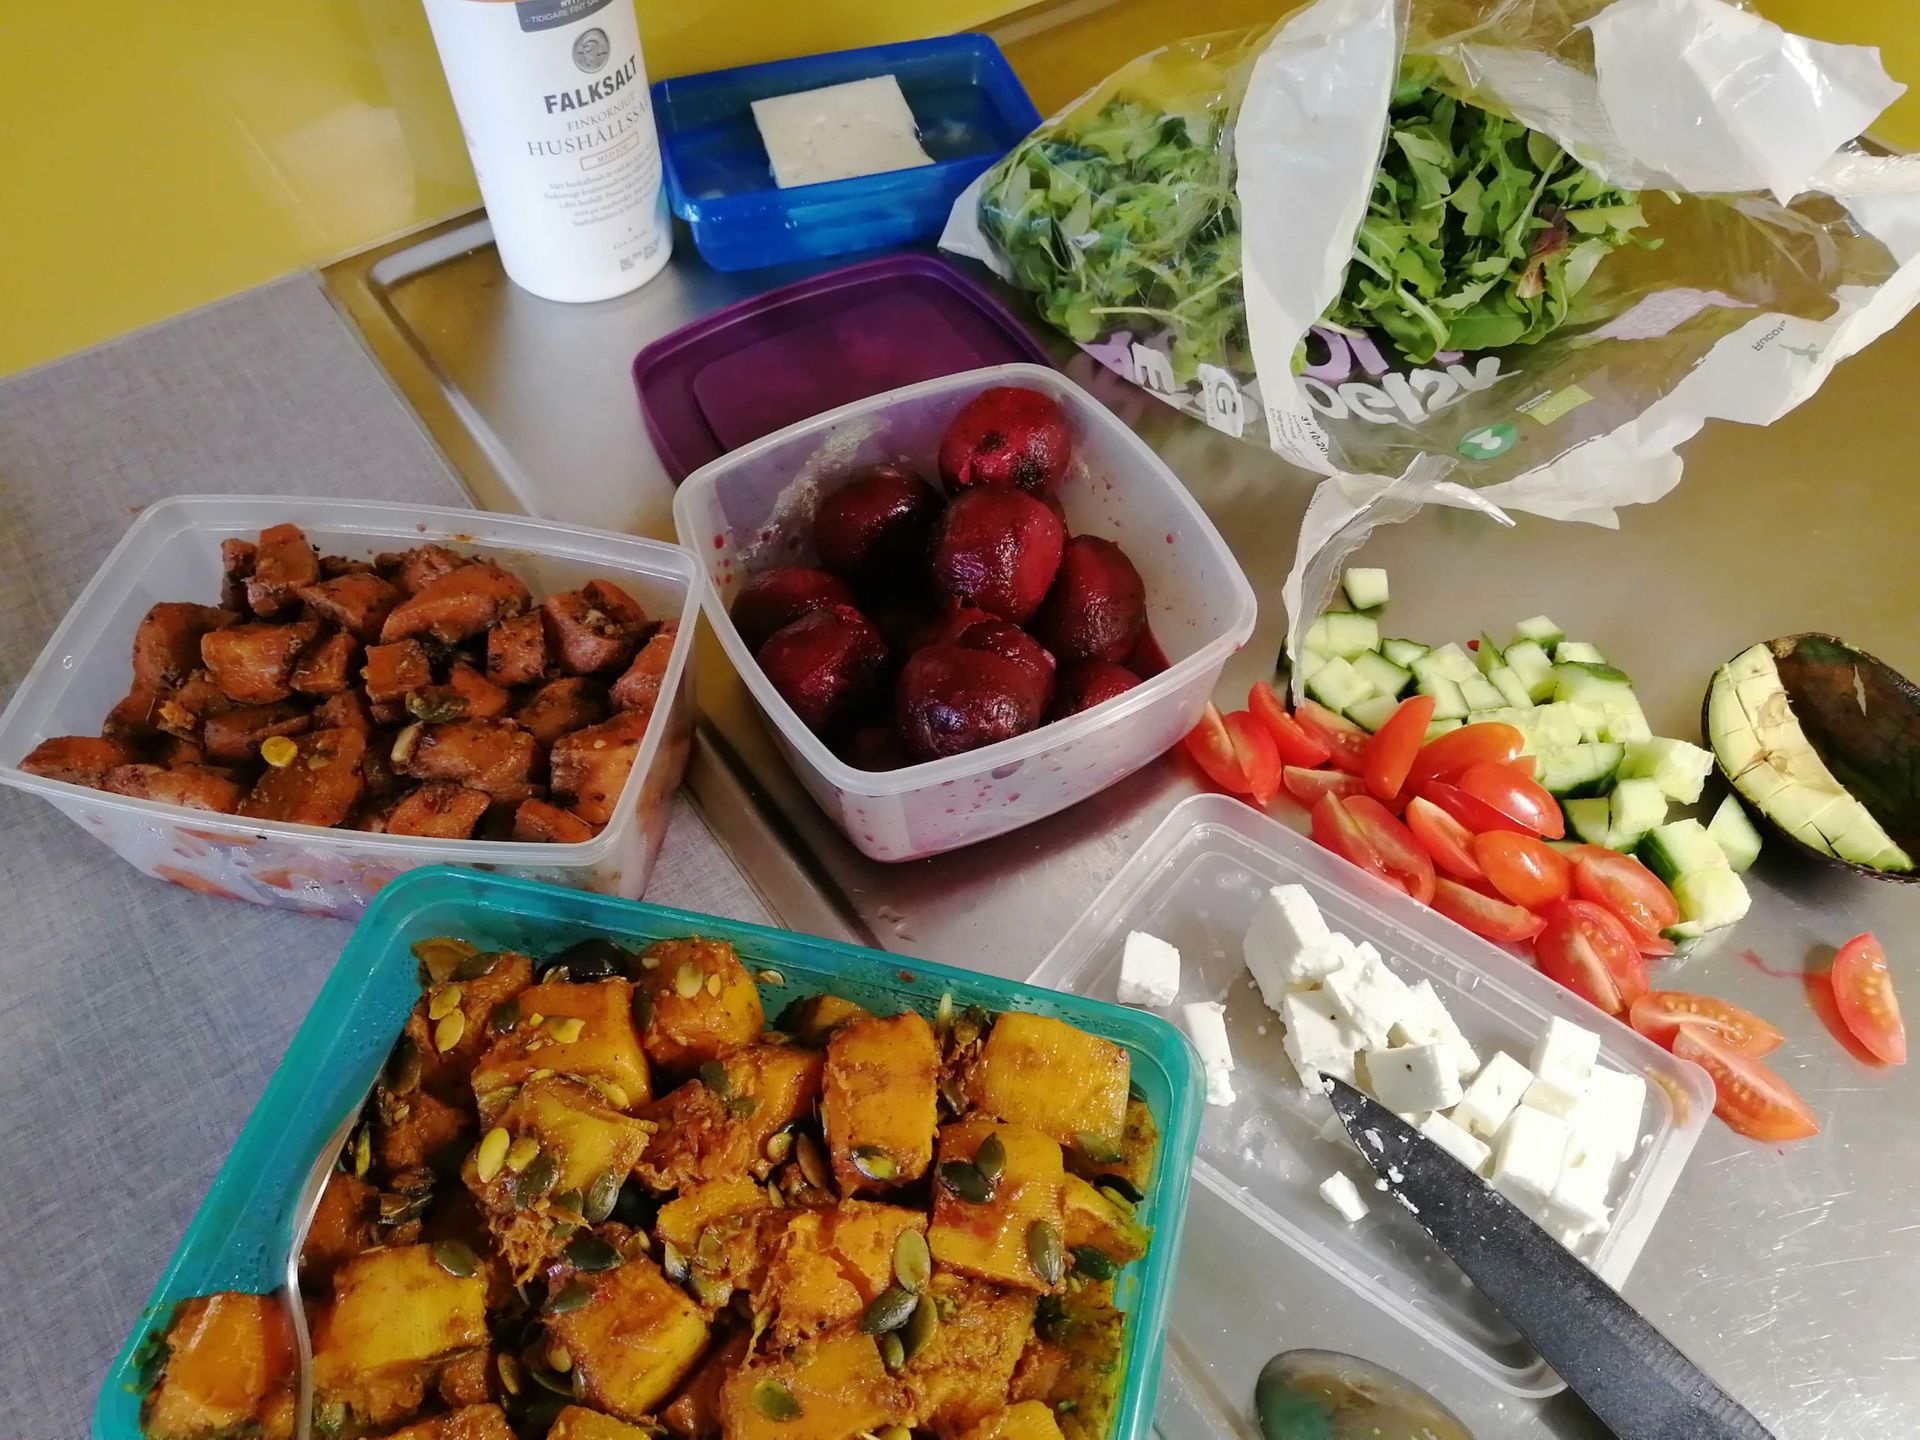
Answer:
x=1287 y=943
x=1607 y=1119
x=1413 y=1078
x=1426 y=1021
x=1371 y=998
x=1578 y=1203
x=1491 y=1097
x=1469 y=1150
x=861 y=127
x=1562 y=1064
x=1149 y=970
x=1343 y=1195
x=1206 y=1025
x=1317 y=1040
x=1527 y=1157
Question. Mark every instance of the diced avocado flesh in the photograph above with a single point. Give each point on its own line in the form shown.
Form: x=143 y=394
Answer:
x=1402 y=652
x=1678 y=768
x=1679 y=848
x=1337 y=685
x=1366 y=588
x=1541 y=631
x=1735 y=834
x=1343 y=633
x=1373 y=712
x=1382 y=674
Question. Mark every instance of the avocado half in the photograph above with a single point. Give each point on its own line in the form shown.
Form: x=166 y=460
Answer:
x=1823 y=742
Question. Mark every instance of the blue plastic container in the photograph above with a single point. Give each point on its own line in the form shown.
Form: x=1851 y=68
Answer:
x=969 y=106
x=238 y=1238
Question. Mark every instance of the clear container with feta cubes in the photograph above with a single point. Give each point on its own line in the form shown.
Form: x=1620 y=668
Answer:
x=1581 y=1121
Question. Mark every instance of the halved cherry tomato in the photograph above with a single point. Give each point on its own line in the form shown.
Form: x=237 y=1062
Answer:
x=1334 y=828
x=1410 y=867
x=1483 y=914
x=1631 y=891
x=1297 y=745
x=1445 y=839
x=1237 y=753
x=1519 y=797
x=1753 y=1100
x=1529 y=872
x=1586 y=948
x=1390 y=750
x=1864 y=992
x=1307 y=786
x=1470 y=810
x=1447 y=755
x=1346 y=742
x=1659 y=1014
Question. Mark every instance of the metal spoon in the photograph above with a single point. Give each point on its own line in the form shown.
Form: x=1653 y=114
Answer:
x=303 y=1212
x=1329 y=1395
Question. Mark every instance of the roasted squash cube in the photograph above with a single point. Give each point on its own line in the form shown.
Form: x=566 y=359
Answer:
x=704 y=1004
x=829 y=1265
x=343 y=1226
x=832 y=1388
x=603 y=1047
x=713 y=1134
x=470 y=1422
x=964 y=1373
x=230 y=1365
x=395 y=1312
x=994 y=1239
x=575 y=1126
x=694 y=1414
x=1038 y=1071
x=1092 y=1219
x=683 y=1220
x=1077 y=1352
x=576 y=1422
x=633 y=1341
x=448 y=1072
x=1130 y=1160
x=414 y=1130
x=878 y=1103
x=1027 y=1420
x=813 y=1019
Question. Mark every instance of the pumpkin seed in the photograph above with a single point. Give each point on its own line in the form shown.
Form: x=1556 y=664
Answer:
x=444 y=1001
x=779 y=1145
x=943 y=1014
x=447 y=1033
x=964 y=1180
x=714 y=985
x=649 y=962
x=953 y=1096
x=1044 y=1251
x=560 y=1359
x=330 y=1418
x=456 y=1257
x=672 y=1261
x=602 y=1195
x=714 y=1294
x=893 y=1432
x=569 y=1297
x=615 y=1095
x=491 y=1153
x=403 y=1070
x=714 y=1076
x=774 y=1197
x=405 y=743
x=512 y=1377
x=1124 y=1188
x=589 y=1252
x=521 y=1152
x=875 y=1163
x=813 y=1162
x=1098 y=1148
x=770 y=977
x=707 y=1249
x=741 y=1106
x=889 y=1310
x=436 y=704
x=774 y=1400
x=688 y=979
x=505 y=1016
x=570 y=1202
x=475 y=966
x=893 y=1352
x=642 y=1010
x=565 y=1030
x=990 y=1159
x=440 y=955
x=1094 y=1263
x=547 y=1380
x=532 y=1183
x=921 y=1327
x=1116 y=1199
x=362 y=1151
x=912 y=1261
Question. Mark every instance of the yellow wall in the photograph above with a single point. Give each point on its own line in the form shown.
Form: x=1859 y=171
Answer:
x=157 y=156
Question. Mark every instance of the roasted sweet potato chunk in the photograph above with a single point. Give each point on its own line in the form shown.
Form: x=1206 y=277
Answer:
x=358 y=603
x=990 y=1239
x=633 y=1341
x=829 y=1265
x=878 y=1102
x=538 y=820
x=236 y=564
x=77 y=759
x=496 y=756
x=517 y=650
x=560 y=707
x=233 y=736
x=230 y=1368
x=198 y=787
x=392 y=670
x=186 y=709
x=440 y=809
x=689 y=1215
x=602 y=1047
x=483 y=699
x=694 y=1414
x=395 y=1311
x=418 y=1130
x=345 y=711
x=343 y=1226
x=590 y=766
x=1028 y=1420
x=1038 y=1071
x=834 y=1388
x=283 y=562
x=319 y=786
x=964 y=1373
x=712 y=1132
x=460 y=603
x=254 y=663
x=166 y=650
x=639 y=687
x=469 y=1422
x=449 y=1051
x=576 y=1422
x=413 y=570
x=595 y=628
x=324 y=667
x=702 y=1003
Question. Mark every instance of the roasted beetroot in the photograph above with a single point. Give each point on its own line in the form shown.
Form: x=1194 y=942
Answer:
x=998 y=550
x=1088 y=683
x=828 y=665
x=1096 y=606
x=874 y=530
x=774 y=599
x=990 y=684
x=1006 y=436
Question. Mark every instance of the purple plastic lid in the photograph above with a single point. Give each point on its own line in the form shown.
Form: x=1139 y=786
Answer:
x=752 y=368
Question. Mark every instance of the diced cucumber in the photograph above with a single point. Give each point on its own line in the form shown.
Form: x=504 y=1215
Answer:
x=1382 y=674
x=1680 y=847
x=1337 y=685
x=1437 y=728
x=1343 y=633
x=1367 y=589
x=1678 y=768
x=1480 y=695
x=1589 y=681
x=1735 y=834
x=1448 y=703
x=1578 y=770
x=1449 y=661
x=1555 y=726
x=1577 y=652
x=1373 y=712
x=1542 y=631
x=1403 y=652
x=1590 y=718
x=1521 y=720
x=1486 y=655
x=1309 y=661
x=1527 y=660
x=1511 y=687
x=1637 y=806
x=1315 y=642
x=1710 y=899
x=1589 y=819
x=1623 y=722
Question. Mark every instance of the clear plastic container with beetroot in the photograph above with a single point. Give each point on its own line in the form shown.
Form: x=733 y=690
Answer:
x=754 y=509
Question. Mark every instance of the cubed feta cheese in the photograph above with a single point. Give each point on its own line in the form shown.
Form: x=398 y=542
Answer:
x=1607 y=1119
x=1578 y=1204
x=1343 y=1195
x=1562 y=1063
x=1317 y=1041
x=1490 y=1099
x=1527 y=1157
x=1413 y=1077
x=1469 y=1150
x=1426 y=1021
x=1371 y=999
x=1286 y=927
x=860 y=127
x=1206 y=1024
x=1149 y=970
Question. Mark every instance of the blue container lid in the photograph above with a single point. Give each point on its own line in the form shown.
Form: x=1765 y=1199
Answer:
x=967 y=103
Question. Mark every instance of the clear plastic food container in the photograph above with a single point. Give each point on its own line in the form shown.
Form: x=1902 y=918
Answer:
x=172 y=552
x=754 y=508
x=1194 y=884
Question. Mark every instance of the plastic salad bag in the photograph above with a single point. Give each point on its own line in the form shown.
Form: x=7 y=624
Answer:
x=1505 y=254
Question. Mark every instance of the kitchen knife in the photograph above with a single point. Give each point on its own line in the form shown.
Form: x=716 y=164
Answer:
x=1629 y=1374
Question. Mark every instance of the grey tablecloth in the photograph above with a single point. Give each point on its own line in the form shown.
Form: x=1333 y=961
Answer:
x=138 y=1023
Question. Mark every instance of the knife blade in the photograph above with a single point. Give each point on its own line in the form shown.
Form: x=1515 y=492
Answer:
x=1630 y=1375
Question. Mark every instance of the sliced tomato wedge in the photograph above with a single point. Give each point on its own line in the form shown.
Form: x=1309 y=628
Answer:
x=1307 y=786
x=1297 y=745
x=1484 y=915
x=1519 y=797
x=1586 y=948
x=1237 y=753
x=1445 y=756
x=1753 y=1100
x=1346 y=742
x=1470 y=810
x=1659 y=1014
x=1334 y=828
x=1445 y=839
x=1863 y=990
x=1410 y=867
x=1631 y=891
x=1529 y=872
x=1390 y=750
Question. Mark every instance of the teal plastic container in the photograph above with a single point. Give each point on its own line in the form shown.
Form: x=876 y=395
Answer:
x=239 y=1237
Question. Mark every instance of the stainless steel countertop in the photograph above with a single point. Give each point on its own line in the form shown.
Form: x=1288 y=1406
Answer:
x=1790 y=1274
